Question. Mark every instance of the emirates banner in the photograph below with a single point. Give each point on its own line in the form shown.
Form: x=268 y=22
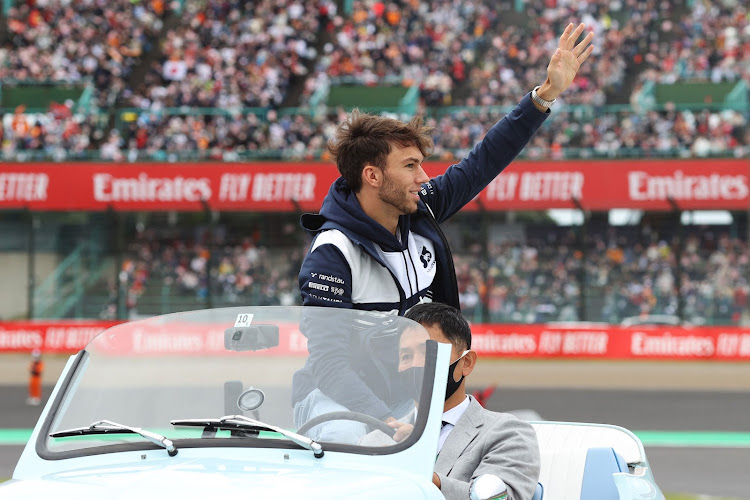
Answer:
x=612 y=342
x=285 y=187
x=489 y=340
x=53 y=336
x=145 y=338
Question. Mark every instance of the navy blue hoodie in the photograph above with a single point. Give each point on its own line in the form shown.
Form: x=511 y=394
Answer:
x=355 y=262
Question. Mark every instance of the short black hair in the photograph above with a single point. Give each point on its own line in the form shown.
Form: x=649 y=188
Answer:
x=448 y=318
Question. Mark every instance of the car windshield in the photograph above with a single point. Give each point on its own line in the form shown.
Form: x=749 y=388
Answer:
x=210 y=377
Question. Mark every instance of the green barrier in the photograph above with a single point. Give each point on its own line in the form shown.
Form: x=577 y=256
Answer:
x=692 y=93
x=39 y=95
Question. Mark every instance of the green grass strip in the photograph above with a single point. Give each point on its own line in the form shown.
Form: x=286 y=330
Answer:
x=681 y=496
x=699 y=439
x=14 y=436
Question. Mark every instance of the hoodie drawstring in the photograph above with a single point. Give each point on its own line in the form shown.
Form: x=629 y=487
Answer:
x=406 y=268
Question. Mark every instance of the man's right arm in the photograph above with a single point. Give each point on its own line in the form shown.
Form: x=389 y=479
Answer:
x=505 y=140
x=448 y=193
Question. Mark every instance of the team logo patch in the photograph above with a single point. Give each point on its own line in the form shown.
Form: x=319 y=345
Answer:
x=425 y=257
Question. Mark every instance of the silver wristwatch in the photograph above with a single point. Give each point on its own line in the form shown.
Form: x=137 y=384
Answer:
x=535 y=97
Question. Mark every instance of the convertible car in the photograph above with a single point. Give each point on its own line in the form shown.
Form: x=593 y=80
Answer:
x=200 y=404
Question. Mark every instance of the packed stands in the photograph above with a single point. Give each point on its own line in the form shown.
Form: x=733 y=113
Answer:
x=533 y=277
x=225 y=80
x=408 y=43
x=165 y=270
x=229 y=81
x=97 y=41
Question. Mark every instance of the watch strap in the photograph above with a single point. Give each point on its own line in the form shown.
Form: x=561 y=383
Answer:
x=535 y=97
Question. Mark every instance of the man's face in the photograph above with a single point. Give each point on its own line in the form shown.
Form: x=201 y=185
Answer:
x=436 y=334
x=411 y=347
x=402 y=179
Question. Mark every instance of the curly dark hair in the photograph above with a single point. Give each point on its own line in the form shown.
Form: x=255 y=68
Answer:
x=365 y=139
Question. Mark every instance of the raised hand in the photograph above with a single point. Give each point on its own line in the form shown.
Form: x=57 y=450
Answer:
x=566 y=61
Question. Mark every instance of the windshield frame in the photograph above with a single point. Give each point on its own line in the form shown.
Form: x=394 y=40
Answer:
x=250 y=442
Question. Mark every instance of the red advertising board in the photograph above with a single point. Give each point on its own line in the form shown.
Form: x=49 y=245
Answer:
x=612 y=342
x=489 y=340
x=164 y=186
x=284 y=187
x=53 y=336
x=602 y=185
x=144 y=338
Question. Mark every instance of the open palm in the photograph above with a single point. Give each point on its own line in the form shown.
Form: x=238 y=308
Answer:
x=568 y=57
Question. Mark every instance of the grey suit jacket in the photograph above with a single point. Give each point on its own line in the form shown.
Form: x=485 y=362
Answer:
x=487 y=442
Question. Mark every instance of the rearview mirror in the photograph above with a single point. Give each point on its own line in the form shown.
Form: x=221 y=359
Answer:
x=251 y=338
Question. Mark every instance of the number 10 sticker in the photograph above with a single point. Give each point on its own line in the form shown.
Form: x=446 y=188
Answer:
x=243 y=320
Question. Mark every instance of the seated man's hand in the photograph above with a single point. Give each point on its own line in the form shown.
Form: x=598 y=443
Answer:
x=402 y=430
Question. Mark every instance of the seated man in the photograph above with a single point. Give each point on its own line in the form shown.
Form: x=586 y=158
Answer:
x=365 y=344
x=473 y=440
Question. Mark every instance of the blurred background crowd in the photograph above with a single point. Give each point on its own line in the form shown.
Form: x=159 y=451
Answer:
x=223 y=79
x=229 y=80
x=535 y=273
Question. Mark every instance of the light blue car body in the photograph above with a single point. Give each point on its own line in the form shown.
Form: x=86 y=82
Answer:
x=570 y=469
x=232 y=472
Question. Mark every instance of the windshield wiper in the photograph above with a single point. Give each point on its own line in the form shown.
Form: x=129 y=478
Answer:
x=245 y=423
x=109 y=427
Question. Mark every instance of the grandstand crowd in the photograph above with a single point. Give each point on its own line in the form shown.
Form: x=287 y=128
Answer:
x=533 y=277
x=626 y=273
x=223 y=79
x=227 y=80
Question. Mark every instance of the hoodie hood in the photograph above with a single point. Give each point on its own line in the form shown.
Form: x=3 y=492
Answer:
x=341 y=210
